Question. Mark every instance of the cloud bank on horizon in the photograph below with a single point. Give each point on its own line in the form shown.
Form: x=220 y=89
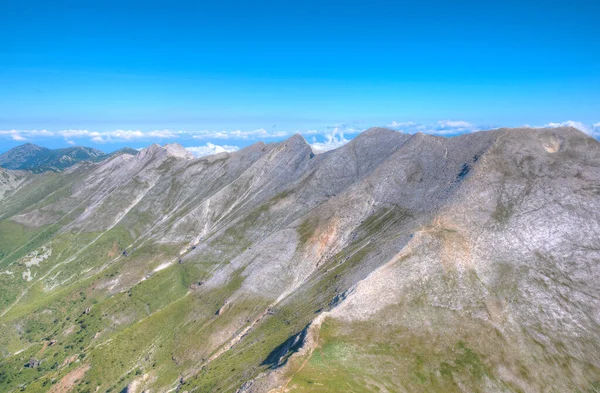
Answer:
x=328 y=138
x=210 y=149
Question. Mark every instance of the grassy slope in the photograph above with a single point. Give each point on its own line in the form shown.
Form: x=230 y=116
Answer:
x=374 y=356
x=135 y=333
x=244 y=361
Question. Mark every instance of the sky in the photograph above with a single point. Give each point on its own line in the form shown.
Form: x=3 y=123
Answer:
x=220 y=75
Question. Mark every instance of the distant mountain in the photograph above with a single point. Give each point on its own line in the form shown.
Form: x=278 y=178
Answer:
x=125 y=150
x=37 y=159
x=21 y=156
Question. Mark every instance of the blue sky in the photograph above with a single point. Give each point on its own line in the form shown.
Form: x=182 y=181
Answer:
x=114 y=73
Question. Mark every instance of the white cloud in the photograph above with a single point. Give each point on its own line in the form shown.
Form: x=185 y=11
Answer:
x=116 y=135
x=309 y=132
x=210 y=148
x=72 y=143
x=588 y=129
x=591 y=129
x=325 y=138
x=73 y=133
x=395 y=124
x=15 y=136
x=346 y=128
x=166 y=134
x=132 y=135
x=161 y=134
x=442 y=127
x=21 y=135
x=259 y=133
x=333 y=140
x=454 y=124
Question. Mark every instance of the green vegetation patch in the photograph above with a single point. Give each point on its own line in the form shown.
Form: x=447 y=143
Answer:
x=366 y=357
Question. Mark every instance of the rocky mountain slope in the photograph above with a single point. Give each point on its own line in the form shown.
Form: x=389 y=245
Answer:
x=395 y=263
x=38 y=159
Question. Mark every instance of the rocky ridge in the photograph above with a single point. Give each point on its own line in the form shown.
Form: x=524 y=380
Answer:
x=393 y=263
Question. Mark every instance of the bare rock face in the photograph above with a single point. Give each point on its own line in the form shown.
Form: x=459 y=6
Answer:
x=33 y=363
x=10 y=181
x=176 y=150
x=398 y=263
x=157 y=151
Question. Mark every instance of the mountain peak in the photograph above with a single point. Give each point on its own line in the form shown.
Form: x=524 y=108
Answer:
x=168 y=150
x=36 y=158
x=29 y=144
x=375 y=132
x=296 y=140
x=176 y=150
x=125 y=150
x=29 y=147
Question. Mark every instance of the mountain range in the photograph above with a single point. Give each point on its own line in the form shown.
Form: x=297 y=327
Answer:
x=35 y=158
x=395 y=263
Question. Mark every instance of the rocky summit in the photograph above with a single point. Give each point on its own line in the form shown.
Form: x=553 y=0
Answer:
x=395 y=263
